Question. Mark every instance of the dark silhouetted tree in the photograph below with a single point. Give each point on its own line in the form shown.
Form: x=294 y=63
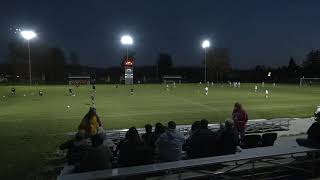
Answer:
x=164 y=64
x=74 y=59
x=311 y=65
x=56 y=62
x=218 y=63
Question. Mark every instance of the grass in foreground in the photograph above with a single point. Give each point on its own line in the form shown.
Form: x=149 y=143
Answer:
x=31 y=127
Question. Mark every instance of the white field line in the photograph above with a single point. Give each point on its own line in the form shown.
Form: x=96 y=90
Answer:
x=196 y=103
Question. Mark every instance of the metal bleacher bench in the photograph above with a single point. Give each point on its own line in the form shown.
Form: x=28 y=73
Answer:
x=253 y=126
x=249 y=159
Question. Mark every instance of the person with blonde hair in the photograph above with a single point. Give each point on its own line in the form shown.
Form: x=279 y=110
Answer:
x=90 y=123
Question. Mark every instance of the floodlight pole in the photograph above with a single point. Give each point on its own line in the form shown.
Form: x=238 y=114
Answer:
x=127 y=52
x=30 y=78
x=205 y=65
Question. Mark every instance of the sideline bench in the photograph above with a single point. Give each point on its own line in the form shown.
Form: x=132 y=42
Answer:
x=249 y=157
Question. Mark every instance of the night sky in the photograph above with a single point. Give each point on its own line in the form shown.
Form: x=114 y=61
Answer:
x=256 y=32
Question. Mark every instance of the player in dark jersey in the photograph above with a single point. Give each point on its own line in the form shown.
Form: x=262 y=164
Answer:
x=94 y=88
x=131 y=91
x=71 y=92
x=13 y=91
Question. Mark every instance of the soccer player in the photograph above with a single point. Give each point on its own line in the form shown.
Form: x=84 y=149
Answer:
x=40 y=92
x=174 y=84
x=274 y=84
x=255 y=88
x=267 y=93
x=212 y=83
x=131 y=91
x=200 y=83
x=71 y=92
x=13 y=91
x=208 y=83
x=238 y=84
x=167 y=87
x=262 y=84
x=93 y=97
x=94 y=88
x=206 y=89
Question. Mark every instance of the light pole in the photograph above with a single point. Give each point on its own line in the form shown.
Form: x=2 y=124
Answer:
x=127 y=41
x=205 y=46
x=28 y=35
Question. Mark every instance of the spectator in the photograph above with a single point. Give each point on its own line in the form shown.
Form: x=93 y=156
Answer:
x=169 y=144
x=149 y=137
x=132 y=152
x=313 y=132
x=77 y=148
x=159 y=129
x=240 y=118
x=228 y=139
x=203 y=142
x=98 y=158
x=194 y=127
x=121 y=142
x=90 y=122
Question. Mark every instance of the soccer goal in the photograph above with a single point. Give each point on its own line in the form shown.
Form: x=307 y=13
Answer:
x=309 y=81
x=79 y=80
x=172 y=79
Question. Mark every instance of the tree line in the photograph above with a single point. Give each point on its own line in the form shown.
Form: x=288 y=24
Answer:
x=54 y=65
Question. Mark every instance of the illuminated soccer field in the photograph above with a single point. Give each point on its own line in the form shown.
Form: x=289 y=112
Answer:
x=32 y=126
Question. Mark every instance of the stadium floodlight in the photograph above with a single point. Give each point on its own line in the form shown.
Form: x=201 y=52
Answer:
x=127 y=41
x=28 y=35
x=205 y=46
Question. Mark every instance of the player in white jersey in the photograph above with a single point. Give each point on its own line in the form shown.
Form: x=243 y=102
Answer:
x=206 y=89
x=262 y=84
x=274 y=84
x=255 y=88
x=267 y=93
x=174 y=84
x=212 y=83
x=167 y=87
x=239 y=84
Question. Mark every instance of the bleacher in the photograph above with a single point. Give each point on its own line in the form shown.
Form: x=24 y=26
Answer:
x=276 y=161
x=283 y=160
x=253 y=126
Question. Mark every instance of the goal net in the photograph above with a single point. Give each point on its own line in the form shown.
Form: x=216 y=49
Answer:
x=309 y=81
x=172 y=79
x=79 y=80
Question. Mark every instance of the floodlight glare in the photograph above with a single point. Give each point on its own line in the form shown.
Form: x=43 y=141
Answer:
x=28 y=35
x=126 y=40
x=205 y=44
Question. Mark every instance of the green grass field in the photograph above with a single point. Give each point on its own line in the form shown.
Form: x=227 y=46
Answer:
x=32 y=127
